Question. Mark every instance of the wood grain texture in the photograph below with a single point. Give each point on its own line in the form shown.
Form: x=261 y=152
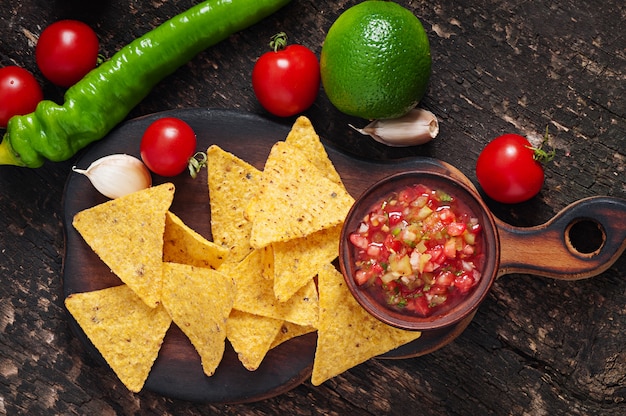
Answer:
x=537 y=346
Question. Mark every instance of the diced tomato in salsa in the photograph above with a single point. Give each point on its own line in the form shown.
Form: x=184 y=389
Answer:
x=419 y=250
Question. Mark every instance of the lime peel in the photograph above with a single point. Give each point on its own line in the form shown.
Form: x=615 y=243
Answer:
x=373 y=73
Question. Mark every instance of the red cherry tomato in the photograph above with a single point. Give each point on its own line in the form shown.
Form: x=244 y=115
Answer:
x=167 y=145
x=19 y=93
x=507 y=170
x=286 y=81
x=66 y=51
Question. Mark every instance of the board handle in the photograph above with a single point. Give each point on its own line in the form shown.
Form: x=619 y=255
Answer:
x=582 y=240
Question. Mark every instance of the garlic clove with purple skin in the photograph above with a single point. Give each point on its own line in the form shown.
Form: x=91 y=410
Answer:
x=117 y=175
x=418 y=126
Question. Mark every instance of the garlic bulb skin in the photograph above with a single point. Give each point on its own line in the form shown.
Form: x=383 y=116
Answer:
x=117 y=175
x=418 y=126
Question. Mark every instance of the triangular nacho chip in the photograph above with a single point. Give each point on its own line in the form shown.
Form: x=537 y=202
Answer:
x=289 y=331
x=268 y=262
x=181 y=244
x=255 y=293
x=199 y=301
x=297 y=261
x=251 y=336
x=294 y=199
x=304 y=137
x=232 y=184
x=347 y=334
x=127 y=234
x=123 y=328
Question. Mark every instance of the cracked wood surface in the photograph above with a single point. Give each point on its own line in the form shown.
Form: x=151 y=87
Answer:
x=537 y=346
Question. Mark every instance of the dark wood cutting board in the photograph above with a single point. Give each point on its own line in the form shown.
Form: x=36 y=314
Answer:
x=177 y=371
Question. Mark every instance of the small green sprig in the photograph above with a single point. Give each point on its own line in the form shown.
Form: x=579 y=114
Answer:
x=196 y=163
x=278 y=41
x=541 y=155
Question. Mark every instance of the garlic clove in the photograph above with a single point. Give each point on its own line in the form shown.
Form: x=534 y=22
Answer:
x=418 y=126
x=117 y=175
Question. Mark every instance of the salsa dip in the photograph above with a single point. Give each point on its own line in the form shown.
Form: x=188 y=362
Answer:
x=418 y=250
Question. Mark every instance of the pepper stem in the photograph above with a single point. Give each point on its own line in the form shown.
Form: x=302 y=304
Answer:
x=7 y=155
x=278 y=41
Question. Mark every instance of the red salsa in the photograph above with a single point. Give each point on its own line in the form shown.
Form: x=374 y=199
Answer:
x=419 y=250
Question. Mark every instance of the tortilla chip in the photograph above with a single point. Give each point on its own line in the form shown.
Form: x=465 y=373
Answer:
x=294 y=199
x=347 y=334
x=232 y=184
x=304 y=137
x=183 y=245
x=268 y=262
x=123 y=328
x=255 y=294
x=251 y=336
x=127 y=234
x=289 y=331
x=199 y=301
x=296 y=262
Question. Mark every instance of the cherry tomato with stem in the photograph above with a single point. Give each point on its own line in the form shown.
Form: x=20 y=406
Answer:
x=19 y=93
x=286 y=80
x=168 y=146
x=510 y=170
x=66 y=51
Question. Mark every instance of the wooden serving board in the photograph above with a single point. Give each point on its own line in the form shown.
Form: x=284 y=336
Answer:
x=177 y=371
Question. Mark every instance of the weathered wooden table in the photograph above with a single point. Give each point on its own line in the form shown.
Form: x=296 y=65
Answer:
x=537 y=346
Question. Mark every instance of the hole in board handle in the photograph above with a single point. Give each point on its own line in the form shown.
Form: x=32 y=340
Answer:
x=585 y=237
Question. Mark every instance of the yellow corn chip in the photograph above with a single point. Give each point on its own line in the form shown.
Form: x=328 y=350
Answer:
x=304 y=137
x=268 y=262
x=127 y=234
x=297 y=261
x=289 y=331
x=251 y=336
x=255 y=294
x=183 y=245
x=199 y=301
x=295 y=199
x=232 y=184
x=347 y=334
x=123 y=328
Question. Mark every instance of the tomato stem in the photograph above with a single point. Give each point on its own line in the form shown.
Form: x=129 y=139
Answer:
x=278 y=41
x=100 y=60
x=196 y=163
x=541 y=155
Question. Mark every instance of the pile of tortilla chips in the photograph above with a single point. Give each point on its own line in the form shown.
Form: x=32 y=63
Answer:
x=264 y=279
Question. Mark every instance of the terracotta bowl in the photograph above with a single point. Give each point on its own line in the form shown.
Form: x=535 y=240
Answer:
x=490 y=244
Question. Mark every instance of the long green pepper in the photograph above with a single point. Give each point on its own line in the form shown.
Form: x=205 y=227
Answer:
x=104 y=97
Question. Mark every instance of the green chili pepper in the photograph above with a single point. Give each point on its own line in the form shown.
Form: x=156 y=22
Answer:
x=104 y=97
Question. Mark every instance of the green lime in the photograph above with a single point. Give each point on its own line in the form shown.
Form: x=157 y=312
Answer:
x=375 y=61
